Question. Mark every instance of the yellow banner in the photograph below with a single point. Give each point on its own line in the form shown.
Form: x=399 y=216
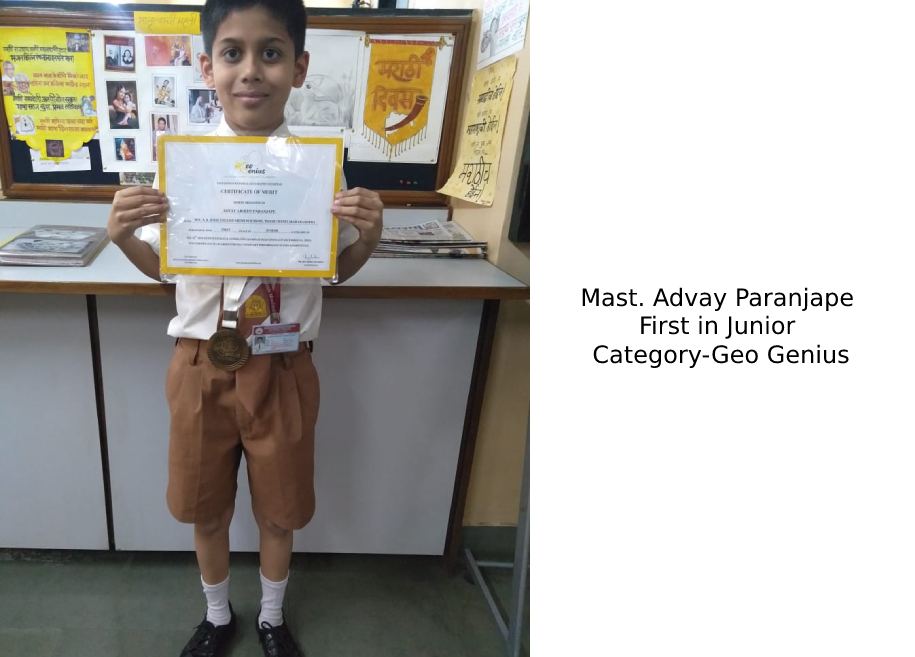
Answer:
x=164 y=22
x=480 y=149
x=397 y=94
x=48 y=90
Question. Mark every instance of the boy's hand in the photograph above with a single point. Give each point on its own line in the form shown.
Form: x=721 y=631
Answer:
x=362 y=208
x=132 y=208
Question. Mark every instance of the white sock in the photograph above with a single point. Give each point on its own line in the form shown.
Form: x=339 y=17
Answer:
x=217 y=602
x=272 y=594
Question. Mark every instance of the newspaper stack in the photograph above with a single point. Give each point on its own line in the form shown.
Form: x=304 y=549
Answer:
x=432 y=239
x=54 y=246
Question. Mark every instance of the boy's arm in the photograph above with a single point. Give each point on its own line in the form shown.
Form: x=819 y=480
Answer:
x=130 y=209
x=362 y=208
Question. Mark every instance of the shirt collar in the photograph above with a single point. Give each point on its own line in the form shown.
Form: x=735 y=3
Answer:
x=223 y=130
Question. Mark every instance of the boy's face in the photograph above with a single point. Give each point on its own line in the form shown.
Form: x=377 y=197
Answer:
x=253 y=68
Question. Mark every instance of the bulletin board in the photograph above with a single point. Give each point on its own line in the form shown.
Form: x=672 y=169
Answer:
x=399 y=108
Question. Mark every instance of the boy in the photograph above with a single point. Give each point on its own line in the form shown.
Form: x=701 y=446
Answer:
x=254 y=56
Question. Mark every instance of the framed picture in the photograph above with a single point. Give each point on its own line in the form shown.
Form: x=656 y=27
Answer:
x=120 y=53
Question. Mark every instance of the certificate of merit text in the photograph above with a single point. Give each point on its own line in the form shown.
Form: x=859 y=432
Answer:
x=250 y=206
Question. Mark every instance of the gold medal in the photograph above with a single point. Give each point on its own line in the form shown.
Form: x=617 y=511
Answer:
x=227 y=349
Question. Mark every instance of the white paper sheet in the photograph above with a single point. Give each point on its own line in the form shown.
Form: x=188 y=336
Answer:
x=78 y=161
x=503 y=30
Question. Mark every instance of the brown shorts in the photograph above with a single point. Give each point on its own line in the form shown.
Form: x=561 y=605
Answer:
x=267 y=410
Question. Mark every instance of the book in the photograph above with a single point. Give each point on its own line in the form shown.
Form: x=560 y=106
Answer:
x=431 y=239
x=54 y=246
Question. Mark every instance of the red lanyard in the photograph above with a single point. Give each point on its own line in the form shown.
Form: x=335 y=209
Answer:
x=273 y=297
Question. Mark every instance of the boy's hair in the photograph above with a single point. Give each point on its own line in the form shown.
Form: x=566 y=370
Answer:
x=291 y=13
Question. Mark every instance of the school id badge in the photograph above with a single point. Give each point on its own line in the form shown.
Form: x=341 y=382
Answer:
x=274 y=338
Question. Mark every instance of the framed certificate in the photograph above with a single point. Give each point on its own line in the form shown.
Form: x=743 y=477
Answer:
x=250 y=206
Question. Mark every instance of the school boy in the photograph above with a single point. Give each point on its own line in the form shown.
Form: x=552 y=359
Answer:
x=267 y=408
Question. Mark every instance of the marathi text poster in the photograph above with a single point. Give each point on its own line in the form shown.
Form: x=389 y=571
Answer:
x=474 y=179
x=48 y=89
x=401 y=105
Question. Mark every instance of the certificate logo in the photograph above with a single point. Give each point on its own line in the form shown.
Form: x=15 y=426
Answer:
x=248 y=167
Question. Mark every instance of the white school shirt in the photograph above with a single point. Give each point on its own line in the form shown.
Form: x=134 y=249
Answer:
x=198 y=298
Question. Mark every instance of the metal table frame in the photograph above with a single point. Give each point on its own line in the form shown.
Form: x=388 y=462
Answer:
x=511 y=627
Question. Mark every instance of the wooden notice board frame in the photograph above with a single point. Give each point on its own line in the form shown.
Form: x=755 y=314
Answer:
x=99 y=16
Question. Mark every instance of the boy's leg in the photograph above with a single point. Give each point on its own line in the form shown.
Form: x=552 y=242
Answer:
x=279 y=452
x=204 y=453
x=275 y=550
x=211 y=543
x=275 y=554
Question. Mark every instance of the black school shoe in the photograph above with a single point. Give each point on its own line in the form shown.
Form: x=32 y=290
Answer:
x=210 y=640
x=277 y=641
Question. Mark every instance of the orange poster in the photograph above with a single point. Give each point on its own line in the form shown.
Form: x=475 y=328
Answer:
x=396 y=114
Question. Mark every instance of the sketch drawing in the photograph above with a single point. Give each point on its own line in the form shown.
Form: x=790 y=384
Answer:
x=322 y=100
x=328 y=96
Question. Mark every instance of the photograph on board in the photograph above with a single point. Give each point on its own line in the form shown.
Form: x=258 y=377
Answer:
x=203 y=106
x=162 y=124
x=87 y=105
x=54 y=147
x=168 y=50
x=9 y=77
x=122 y=104
x=77 y=42
x=125 y=149
x=13 y=82
x=163 y=91
x=24 y=124
x=197 y=45
x=120 y=53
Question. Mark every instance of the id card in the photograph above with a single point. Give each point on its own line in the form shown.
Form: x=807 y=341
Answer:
x=274 y=338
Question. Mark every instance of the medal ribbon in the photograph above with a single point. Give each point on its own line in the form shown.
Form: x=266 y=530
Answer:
x=274 y=298
x=231 y=301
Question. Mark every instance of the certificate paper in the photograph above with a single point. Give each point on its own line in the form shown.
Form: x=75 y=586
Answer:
x=250 y=206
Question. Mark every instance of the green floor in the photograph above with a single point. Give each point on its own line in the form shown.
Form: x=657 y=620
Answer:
x=66 y=604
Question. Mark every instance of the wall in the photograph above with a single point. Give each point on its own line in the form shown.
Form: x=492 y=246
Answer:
x=495 y=486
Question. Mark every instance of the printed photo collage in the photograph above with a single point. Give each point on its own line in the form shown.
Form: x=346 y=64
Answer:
x=148 y=85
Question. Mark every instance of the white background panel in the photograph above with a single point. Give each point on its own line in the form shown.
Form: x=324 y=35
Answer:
x=51 y=492
x=395 y=375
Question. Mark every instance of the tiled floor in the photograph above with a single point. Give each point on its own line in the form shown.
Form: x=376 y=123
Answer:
x=65 y=604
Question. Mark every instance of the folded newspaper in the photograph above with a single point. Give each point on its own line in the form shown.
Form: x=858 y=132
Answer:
x=54 y=246
x=432 y=239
